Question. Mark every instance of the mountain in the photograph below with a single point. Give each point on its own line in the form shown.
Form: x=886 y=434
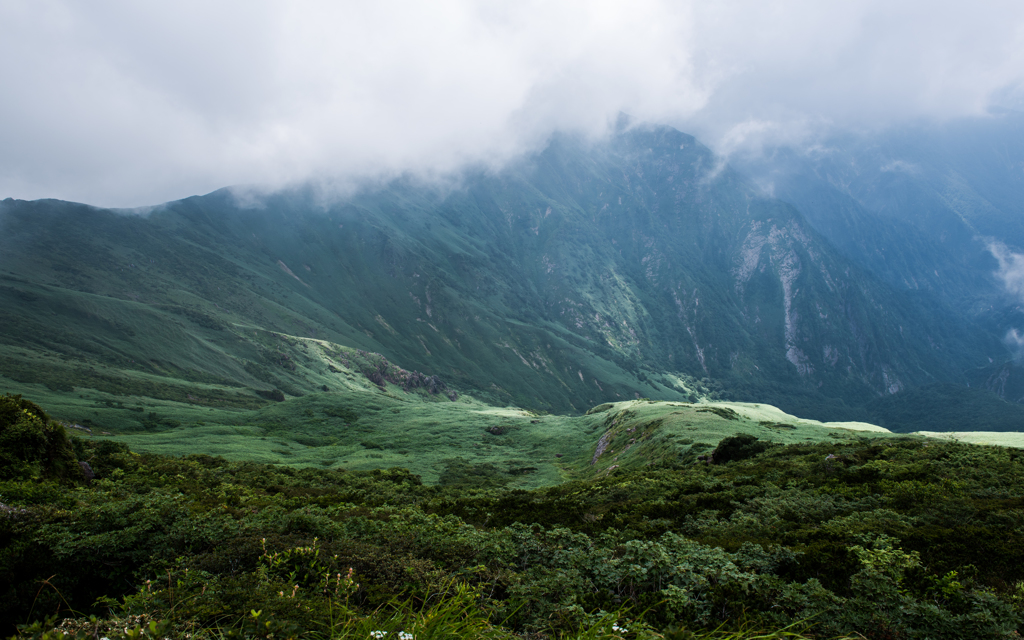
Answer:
x=929 y=208
x=636 y=267
x=919 y=205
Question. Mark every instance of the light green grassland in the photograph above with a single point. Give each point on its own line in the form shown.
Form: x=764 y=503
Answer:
x=356 y=424
x=645 y=432
x=375 y=428
x=528 y=450
x=998 y=438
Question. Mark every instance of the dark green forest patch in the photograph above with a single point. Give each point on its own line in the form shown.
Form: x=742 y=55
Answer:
x=885 y=537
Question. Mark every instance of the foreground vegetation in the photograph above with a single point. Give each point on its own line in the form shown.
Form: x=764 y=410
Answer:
x=883 y=537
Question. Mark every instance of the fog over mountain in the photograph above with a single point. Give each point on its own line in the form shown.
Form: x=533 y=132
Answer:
x=505 y=320
x=809 y=205
x=119 y=104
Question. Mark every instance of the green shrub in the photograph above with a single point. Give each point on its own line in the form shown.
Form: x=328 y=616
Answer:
x=32 y=445
x=886 y=538
x=738 y=447
x=344 y=413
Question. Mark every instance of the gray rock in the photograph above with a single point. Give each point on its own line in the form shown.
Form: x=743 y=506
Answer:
x=86 y=471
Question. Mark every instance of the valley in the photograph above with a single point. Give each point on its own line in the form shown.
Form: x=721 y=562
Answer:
x=369 y=427
x=511 y=321
x=587 y=274
x=614 y=386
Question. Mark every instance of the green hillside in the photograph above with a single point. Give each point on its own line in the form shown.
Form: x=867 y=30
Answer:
x=359 y=426
x=824 y=532
x=588 y=274
x=558 y=402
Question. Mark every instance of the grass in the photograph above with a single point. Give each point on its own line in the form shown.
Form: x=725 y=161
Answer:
x=177 y=345
x=357 y=424
x=574 y=279
x=999 y=438
x=738 y=541
x=362 y=426
x=457 y=615
x=168 y=296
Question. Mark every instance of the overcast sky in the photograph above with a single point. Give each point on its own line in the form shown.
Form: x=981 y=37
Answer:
x=127 y=103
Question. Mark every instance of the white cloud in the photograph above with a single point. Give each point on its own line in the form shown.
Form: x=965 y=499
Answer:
x=1011 y=273
x=1015 y=341
x=900 y=166
x=1011 y=269
x=123 y=103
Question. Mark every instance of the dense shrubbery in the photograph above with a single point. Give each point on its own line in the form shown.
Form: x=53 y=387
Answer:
x=31 y=445
x=896 y=538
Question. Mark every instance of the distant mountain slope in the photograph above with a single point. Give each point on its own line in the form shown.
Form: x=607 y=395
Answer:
x=917 y=205
x=921 y=206
x=640 y=267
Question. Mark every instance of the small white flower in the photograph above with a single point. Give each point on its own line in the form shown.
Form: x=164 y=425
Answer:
x=404 y=636
x=617 y=629
x=378 y=634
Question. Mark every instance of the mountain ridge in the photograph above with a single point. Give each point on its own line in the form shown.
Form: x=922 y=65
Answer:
x=588 y=273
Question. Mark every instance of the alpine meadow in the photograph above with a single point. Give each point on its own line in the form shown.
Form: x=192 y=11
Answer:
x=613 y=384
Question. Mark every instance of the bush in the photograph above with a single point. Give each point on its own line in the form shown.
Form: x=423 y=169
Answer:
x=885 y=538
x=32 y=445
x=738 y=447
x=274 y=394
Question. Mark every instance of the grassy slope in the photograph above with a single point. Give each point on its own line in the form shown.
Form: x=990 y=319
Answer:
x=997 y=438
x=851 y=528
x=191 y=292
x=358 y=425
x=582 y=276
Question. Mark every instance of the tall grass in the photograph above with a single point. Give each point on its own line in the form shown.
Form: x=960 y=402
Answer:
x=457 y=616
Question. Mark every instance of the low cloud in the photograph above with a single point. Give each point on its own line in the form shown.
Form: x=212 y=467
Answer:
x=1014 y=340
x=1011 y=273
x=1011 y=269
x=900 y=166
x=121 y=103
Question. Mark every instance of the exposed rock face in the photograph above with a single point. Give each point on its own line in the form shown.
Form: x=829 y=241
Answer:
x=87 y=471
x=602 y=444
x=11 y=512
x=378 y=370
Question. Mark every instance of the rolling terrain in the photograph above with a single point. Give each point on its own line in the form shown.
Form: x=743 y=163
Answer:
x=811 y=531
x=540 y=403
x=591 y=273
x=360 y=425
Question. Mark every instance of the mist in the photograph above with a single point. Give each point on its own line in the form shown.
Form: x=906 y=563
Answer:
x=124 y=104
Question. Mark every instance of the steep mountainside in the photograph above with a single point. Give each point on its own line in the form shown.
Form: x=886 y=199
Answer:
x=919 y=205
x=927 y=208
x=590 y=273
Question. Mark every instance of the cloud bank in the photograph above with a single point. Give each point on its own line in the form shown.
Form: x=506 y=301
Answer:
x=121 y=103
